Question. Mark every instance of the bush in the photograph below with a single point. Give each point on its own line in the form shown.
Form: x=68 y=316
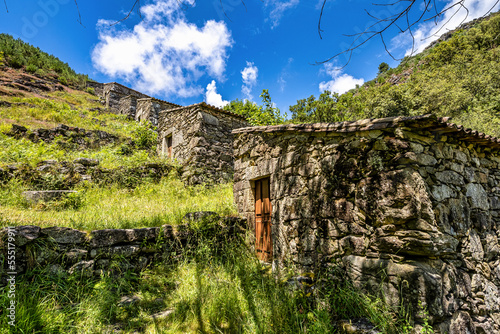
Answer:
x=145 y=136
x=31 y=68
x=90 y=90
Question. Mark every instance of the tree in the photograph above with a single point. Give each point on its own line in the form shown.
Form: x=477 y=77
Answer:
x=266 y=114
x=382 y=68
x=329 y=107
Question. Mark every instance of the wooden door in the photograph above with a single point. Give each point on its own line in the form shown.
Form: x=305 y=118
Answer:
x=263 y=241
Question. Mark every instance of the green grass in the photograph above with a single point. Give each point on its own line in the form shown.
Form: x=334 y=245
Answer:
x=150 y=204
x=69 y=108
x=215 y=288
x=14 y=150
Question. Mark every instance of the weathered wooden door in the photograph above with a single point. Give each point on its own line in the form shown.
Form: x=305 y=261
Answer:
x=263 y=241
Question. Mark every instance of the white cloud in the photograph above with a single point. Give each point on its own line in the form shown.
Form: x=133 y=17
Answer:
x=340 y=83
x=163 y=53
x=430 y=31
x=278 y=8
x=214 y=98
x=249 y=77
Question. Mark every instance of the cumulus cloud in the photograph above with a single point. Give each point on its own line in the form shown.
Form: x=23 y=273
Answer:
x=428 y=32
x=214 y=98
x=340 y=83
x=164 y=53
x=278 y=8
x=249 y=77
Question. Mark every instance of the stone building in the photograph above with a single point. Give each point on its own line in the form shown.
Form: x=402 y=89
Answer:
x=406 y=206
x=123 y=100
x=199 y=137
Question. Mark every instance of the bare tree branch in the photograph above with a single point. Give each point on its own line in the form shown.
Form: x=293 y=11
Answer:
x=6 y=8
x=404 y=20
x=136 y=3
x=79 y=15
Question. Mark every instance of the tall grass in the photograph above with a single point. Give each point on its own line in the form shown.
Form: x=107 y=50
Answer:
x=214 y=288
x=150 y=204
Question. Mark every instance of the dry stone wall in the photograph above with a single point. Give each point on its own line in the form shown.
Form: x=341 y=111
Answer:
x=68 y=251
x=407 y=207
x=148 y=109
x=113 y=93
x=201 y=141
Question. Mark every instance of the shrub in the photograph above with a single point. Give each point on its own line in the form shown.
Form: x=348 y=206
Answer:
x=145 y=136
x=90 y=90
x=31 y=68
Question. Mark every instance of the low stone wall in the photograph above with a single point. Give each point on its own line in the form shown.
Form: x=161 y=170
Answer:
x=201 y=141
x=407 y=207
x=62 y=249
x=68 y=136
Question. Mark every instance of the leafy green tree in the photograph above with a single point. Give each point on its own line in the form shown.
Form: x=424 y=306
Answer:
x=266 y=114
x=382 y=68
x=459 y=77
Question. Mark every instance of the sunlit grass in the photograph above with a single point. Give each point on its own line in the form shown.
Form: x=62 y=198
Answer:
x=149 y=204
x=72 y=109
x=215 y=288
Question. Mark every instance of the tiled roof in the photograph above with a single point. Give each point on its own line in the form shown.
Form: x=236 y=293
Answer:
x=425 y=122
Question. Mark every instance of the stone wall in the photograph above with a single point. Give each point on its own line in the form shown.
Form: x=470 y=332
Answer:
x=127 y=105
x=113 y=93
x=201 y=141
x=149 y=109
x=407 y=207
x=62 y=249
x=98 y=87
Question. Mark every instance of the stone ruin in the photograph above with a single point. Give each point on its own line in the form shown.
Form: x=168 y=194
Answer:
x=199 y=137
x=123 y=100
x=406 y=207
x=196 y=136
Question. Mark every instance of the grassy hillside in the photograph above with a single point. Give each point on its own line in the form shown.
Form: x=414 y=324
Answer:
x=20 y=55
x=459 y=77
x=213 y=288
x=118 y=196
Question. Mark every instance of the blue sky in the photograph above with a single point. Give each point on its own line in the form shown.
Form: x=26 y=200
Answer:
x=194 y=52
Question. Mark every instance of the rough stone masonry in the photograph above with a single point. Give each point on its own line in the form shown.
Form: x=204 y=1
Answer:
x=406 y=206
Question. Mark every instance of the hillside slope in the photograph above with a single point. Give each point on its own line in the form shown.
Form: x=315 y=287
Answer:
x=458 y=77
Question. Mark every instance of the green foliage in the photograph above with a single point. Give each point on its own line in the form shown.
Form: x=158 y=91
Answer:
x=459 y=77
x=152 y=202
x=326 y=108
x=19 y=54
x=217 y=287
x=265 y=114
x=90 y=90
x=145 y=136
x=2 y=59
x=31 y=68
x=382 y=68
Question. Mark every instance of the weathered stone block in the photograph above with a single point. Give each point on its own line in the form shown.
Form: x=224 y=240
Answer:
x=477 y=196
x=64 y=235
